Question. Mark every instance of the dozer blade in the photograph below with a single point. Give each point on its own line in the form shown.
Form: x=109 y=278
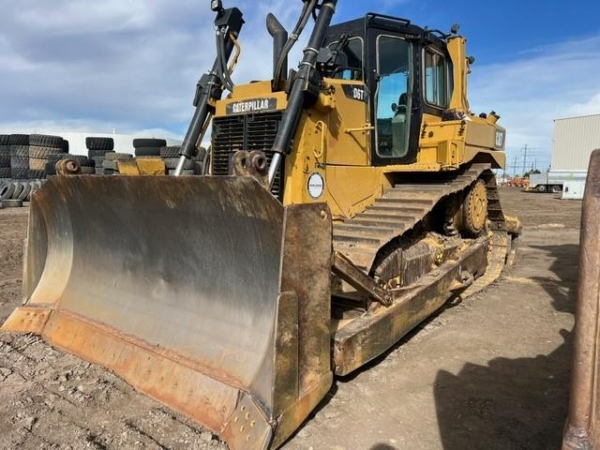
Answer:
x=202 y=292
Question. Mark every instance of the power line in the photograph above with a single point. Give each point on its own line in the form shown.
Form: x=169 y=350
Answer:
x=514 y=166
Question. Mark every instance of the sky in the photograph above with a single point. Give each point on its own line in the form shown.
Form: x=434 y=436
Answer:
x=131 y=66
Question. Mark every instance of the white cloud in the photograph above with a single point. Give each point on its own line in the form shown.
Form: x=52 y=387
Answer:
x=592 y=106
x=119 y=64
x=88 y=126
x=540 y=85
x=132 y=65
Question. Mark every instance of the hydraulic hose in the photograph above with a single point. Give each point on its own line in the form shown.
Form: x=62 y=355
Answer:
x=307 y=10
x=210 y=87
x=293 y=112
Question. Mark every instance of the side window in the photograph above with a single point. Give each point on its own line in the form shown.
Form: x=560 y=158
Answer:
x=394 y=67
x=354 y=54
x=436 y=79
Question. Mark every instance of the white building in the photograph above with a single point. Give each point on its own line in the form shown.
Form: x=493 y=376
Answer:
x=574 y=140
x=123 y=142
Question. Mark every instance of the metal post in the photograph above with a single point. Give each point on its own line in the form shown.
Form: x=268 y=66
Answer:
x=582 y=426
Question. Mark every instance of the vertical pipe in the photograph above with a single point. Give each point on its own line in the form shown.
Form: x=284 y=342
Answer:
x=580 y=432
x=293 y=112
x=280 y=37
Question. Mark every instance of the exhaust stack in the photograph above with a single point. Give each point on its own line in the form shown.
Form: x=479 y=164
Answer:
x=280 y=37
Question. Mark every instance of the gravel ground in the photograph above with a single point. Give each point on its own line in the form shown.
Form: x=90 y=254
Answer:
x=489 y=373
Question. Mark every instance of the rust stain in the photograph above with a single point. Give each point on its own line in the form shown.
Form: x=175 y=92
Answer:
x=203 y=399
x=27 y=319
x=196 y=365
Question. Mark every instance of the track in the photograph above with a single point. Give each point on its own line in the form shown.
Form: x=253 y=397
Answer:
x=403 y=207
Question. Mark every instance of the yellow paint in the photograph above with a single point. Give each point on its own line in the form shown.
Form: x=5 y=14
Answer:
x=334 y=141
x=151 y=166
x=128 y=167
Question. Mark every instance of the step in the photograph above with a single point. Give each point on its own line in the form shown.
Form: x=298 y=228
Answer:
x=345 y=236
x=392 y=214
x=383 y=221
x=371 y=230
x=423 y=187
x=406 y=210
x=399 y=200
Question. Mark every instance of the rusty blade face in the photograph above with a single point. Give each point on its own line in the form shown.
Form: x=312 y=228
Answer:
x=202 y=292
x=186 y=265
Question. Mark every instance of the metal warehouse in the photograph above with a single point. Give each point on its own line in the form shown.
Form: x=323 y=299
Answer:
x=574 y=140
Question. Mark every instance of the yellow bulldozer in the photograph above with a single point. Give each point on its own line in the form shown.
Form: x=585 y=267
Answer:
x=342 y=204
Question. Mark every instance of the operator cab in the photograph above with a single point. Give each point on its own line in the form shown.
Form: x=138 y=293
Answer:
x=407 y=72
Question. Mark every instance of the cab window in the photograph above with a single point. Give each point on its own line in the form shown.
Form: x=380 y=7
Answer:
x=354 y=54
x=394 y=74
x=436 y=79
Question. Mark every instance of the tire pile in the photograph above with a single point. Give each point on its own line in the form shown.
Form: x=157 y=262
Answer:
x=152 y=148
x=148 y=147
x=97 y=148
x=171 y=157
x=42 y=148
x=110 y=164
x=14 y=192
x=26 y=157
x=5 y=171
x=19 y=156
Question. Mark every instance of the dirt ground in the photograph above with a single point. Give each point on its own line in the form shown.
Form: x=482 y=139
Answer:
x=491 y=372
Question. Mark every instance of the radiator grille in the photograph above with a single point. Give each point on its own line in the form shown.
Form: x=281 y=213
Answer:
x=245 y=132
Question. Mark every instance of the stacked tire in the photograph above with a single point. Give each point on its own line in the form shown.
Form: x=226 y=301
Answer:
x=14 y=192
x=98 y=147
x=19 y=156
x=148 y=147
x=170 y=155
x=50 y=167
x=5 y=171
x=110 y=164
x=190 y=167
x=41 y=148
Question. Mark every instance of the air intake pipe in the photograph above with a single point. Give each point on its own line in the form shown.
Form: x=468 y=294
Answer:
x=280 y=37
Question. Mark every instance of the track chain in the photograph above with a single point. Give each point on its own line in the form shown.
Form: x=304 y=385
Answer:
x=404 y=206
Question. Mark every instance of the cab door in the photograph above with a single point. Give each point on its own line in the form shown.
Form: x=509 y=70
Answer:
x=393 y=101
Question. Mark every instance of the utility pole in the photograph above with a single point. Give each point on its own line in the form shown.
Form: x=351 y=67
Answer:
x=525 y=159
x=514 y=166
